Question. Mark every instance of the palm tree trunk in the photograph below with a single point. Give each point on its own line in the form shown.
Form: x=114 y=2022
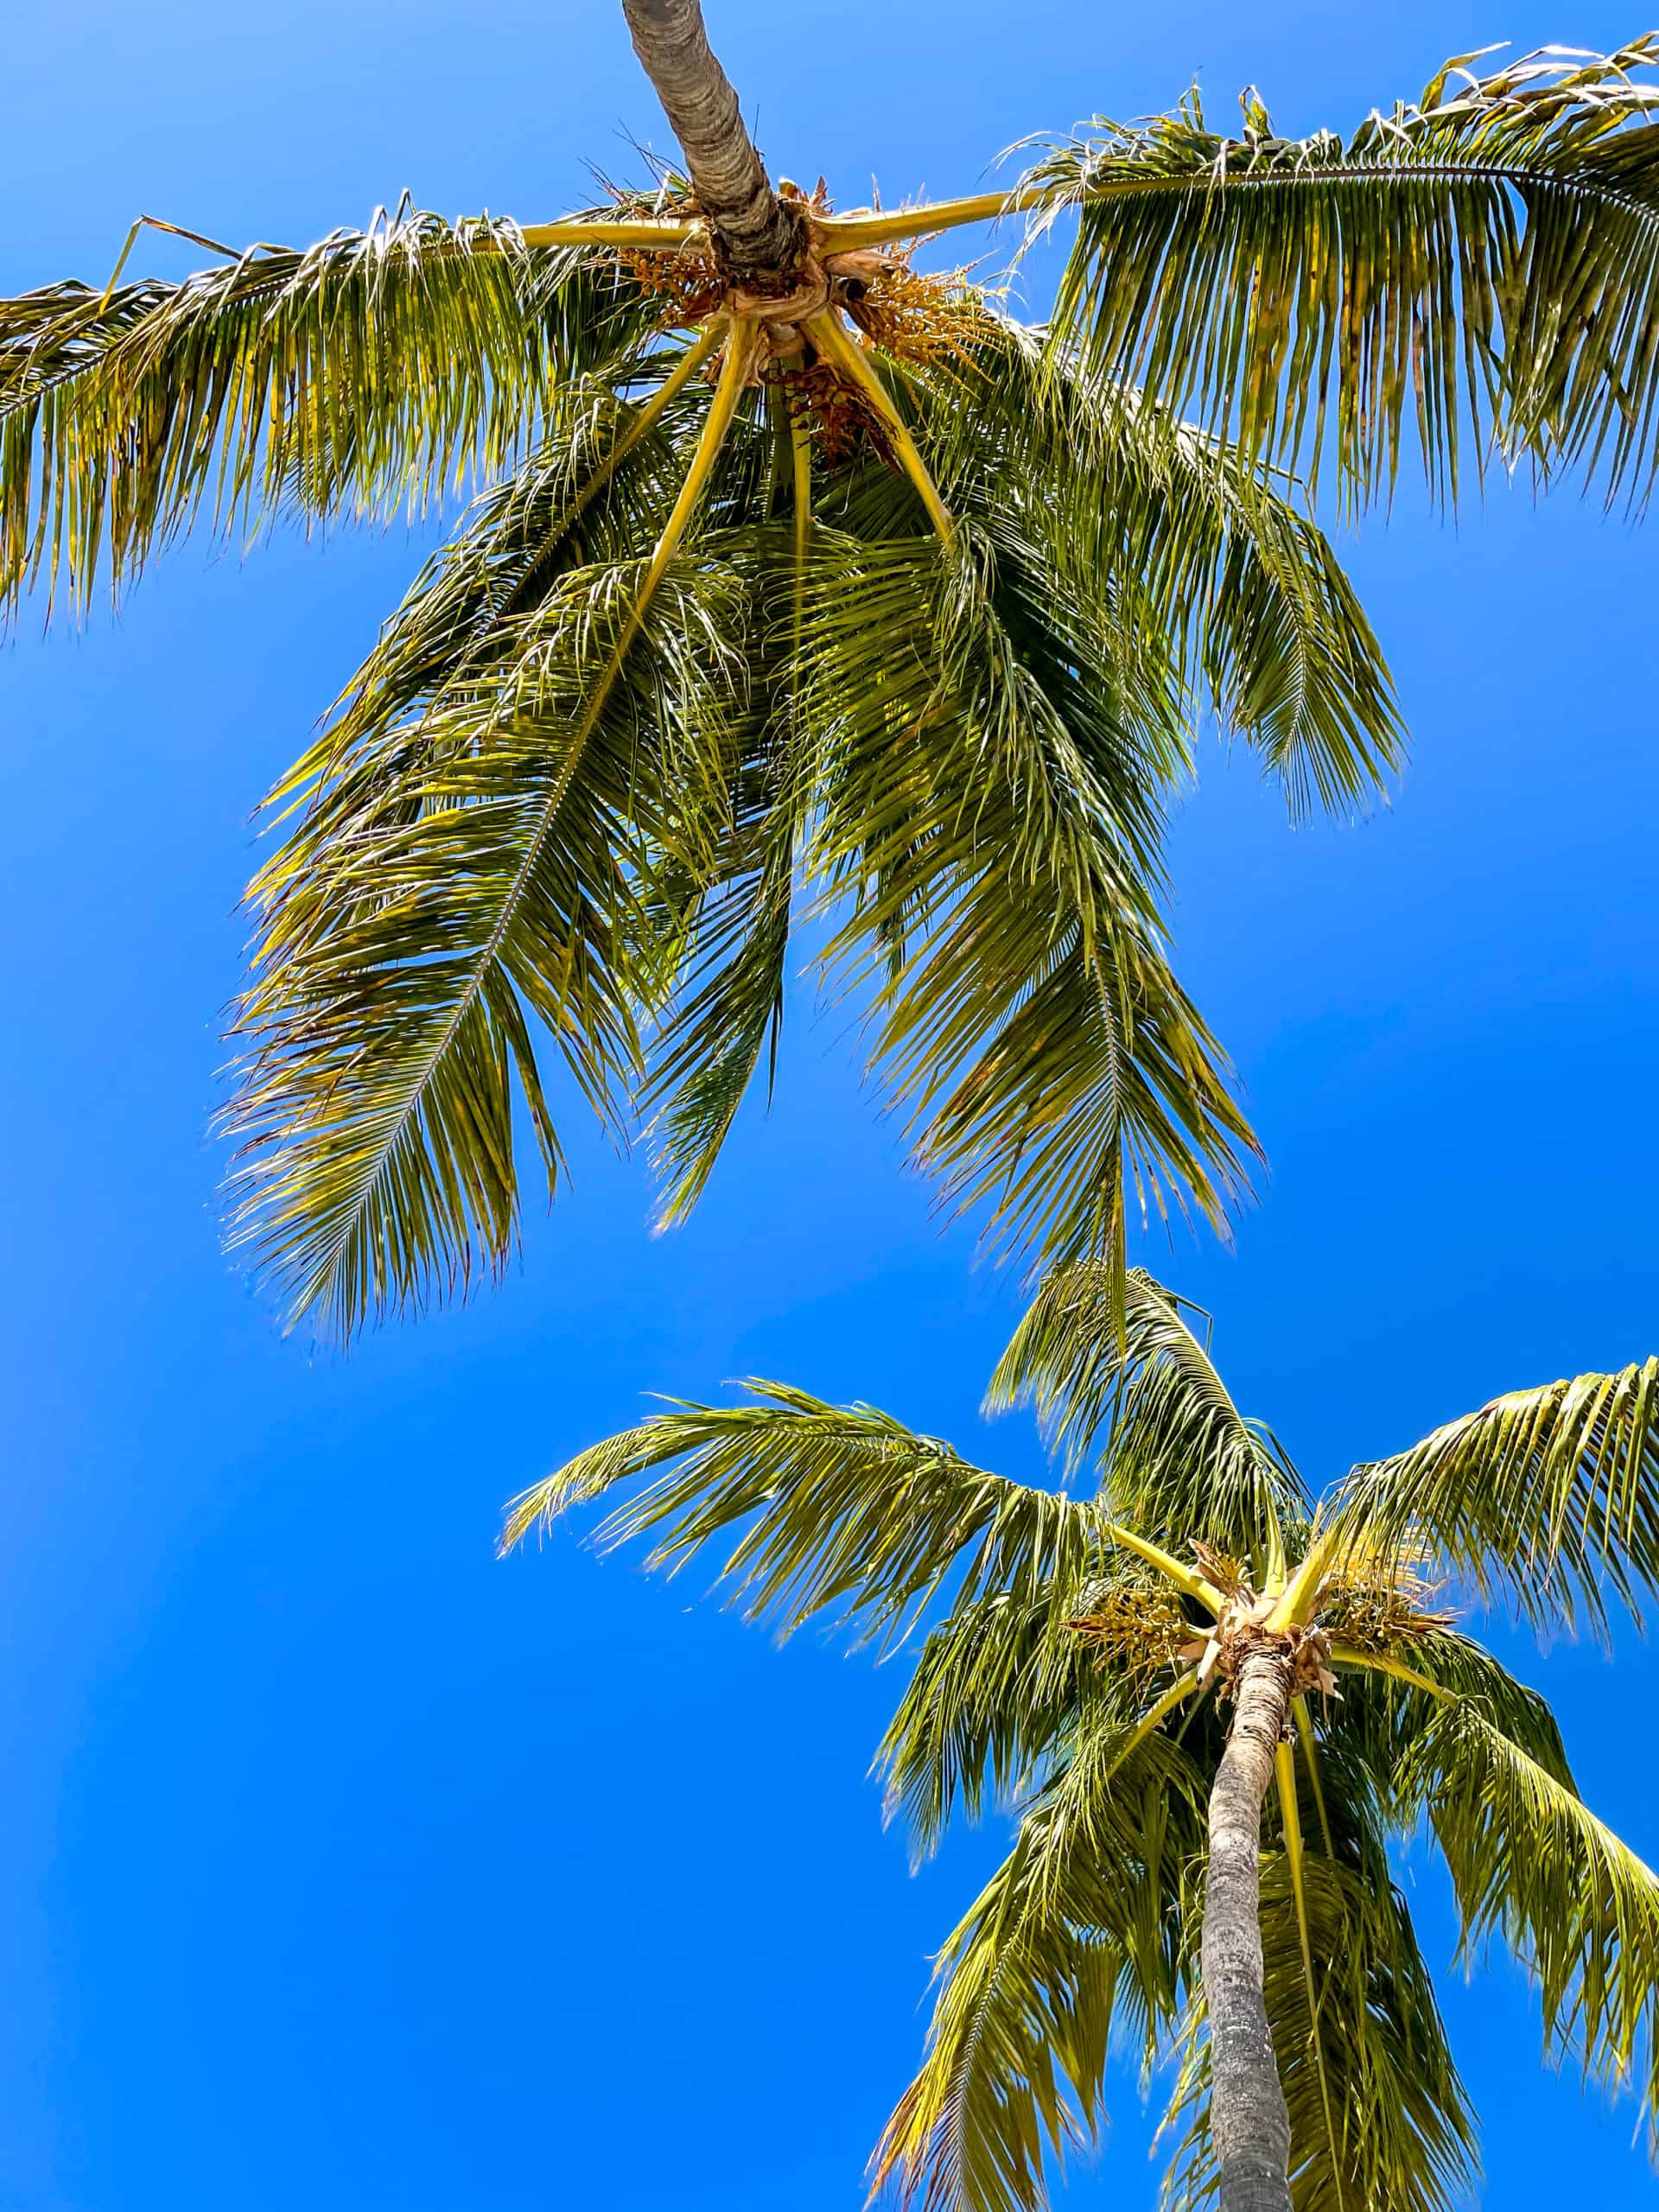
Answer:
x=1249 y=2125
x=749 y=222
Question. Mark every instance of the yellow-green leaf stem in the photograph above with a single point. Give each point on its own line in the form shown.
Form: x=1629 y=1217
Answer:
x=1305 y=1735
x=1186 y=1579
x=1284 y=1768
x=827 y=333
x=673 y=385
x=624 y=232
x=1295 y=1608
x=851 y=234
x=1378 y=1662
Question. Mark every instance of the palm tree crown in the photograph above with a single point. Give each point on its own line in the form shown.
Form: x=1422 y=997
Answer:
x=1088 y=1662
x=808 y=592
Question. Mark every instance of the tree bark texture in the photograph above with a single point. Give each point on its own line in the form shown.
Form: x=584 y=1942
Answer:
x=1250 y=2126
x=748 y=220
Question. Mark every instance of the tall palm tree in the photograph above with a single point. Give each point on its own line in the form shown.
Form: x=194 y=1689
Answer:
x=1142 y=1671
x=809 y=593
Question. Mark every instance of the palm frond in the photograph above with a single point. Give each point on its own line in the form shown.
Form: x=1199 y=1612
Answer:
x=835 y=1508
x=1546 y=1498
x=595 y=486
x=1175 y=1454
x=1000 y=1688
x=994 y=818
x=489 y=881
x=1483 y=262
x=484 y=885
x=730 y=1013
x=1127 y=500
x=1075 y=1940
x=371 y=369
x=1532 y=1865
x=1402 y=2125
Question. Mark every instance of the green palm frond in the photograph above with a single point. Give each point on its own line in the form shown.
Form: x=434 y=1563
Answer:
x=596 y=486
x=999 y=1687
x=838 y=1509
x=1117 y=490
x=729 y=1014
x=1483 y=262
x=1381 y=1715
x=484 y=885
x=371 y=369
x=1073 y=1946
x=1532 y=1865
x=1403 y=2125
x=994 y=772
x=1177 y=1457
x=1546 y=1498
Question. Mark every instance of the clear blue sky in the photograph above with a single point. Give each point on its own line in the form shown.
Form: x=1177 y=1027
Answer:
x=341 y=1865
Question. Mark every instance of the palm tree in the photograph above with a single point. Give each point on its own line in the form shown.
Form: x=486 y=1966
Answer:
x=1134 y=1672
x=810 y=595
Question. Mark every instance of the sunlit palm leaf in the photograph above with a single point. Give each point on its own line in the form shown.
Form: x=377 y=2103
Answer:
x=829 y=1507
x=1120 y=493
x=373 y=368
x=485 y=886
x=1485 y=260
x=1075 y=1941
x=1547 y=1498
x=1532 y=1865
x=1177 y=1457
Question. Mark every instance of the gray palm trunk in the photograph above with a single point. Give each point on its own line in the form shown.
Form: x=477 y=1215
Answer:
x=758 y=237
x=1248 y=2121
x=750 y=223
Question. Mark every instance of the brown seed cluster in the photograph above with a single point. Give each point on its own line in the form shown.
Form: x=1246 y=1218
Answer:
x=928 y=319
x=915 y=316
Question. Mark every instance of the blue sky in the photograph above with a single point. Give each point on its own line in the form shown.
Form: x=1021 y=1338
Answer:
x=340 y=1864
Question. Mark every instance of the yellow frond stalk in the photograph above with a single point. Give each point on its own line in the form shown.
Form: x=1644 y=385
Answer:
x=826 y=333
x=852 y=233
x=624 y=232
x=1284 y=1768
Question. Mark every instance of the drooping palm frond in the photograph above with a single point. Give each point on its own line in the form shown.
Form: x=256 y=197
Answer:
x=485 y=878
x=994 y=819
x=1119 y=492
x=828 y=1508
x=999 y=1688
x=1074 y=1945
x=484 y=888
x=1391 y=2128
x=1483 y=262
x=1174 y=1454
x=371 y=369
x=1546 y=1498
x=1532 y=1866
x=598 y=485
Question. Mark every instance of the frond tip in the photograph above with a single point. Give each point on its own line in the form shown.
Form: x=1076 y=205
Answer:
x=371 y=369
x=1480 y=265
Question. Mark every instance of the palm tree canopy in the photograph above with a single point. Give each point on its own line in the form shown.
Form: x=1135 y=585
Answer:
x=818 y=597
x=1068 y=1651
